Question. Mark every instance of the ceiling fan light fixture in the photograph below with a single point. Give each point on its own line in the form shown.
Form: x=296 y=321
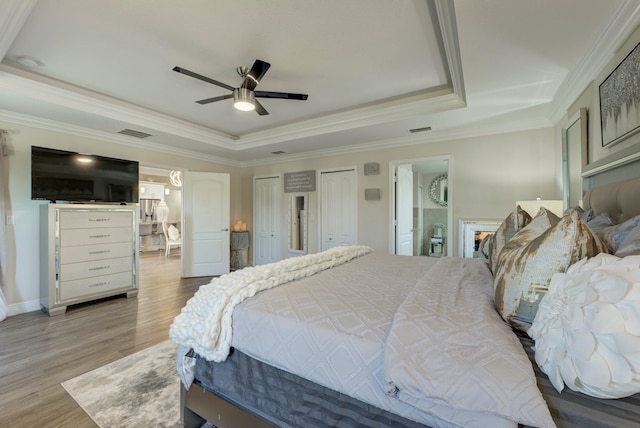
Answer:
x=244 y=99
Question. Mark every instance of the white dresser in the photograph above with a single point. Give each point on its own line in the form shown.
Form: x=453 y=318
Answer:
x=87 y=252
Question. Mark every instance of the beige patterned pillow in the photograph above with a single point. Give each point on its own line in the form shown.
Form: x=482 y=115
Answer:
x=515 y=221
x=528 y=261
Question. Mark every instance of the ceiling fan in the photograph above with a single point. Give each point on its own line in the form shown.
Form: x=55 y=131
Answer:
x=244 y=97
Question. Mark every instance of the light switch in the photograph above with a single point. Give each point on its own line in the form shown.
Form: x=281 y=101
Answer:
x=11 y=219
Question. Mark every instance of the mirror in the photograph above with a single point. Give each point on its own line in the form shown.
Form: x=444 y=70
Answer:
x=438 y=190
x=298 y=223
x=574 y=159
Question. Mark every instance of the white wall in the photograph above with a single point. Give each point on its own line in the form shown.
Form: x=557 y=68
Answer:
x=488 y=174
x=22 y=289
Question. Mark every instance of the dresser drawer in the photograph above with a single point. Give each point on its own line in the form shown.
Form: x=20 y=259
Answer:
x=73 y=271
x=83 y=287
x=95 y=219
x=71 y=237
x=85 y=253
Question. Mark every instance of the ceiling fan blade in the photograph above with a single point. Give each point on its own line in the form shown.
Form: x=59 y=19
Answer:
x=201 y=77
x=214 y=99
x=260 y=109
x=284 y=95
x=257 y=72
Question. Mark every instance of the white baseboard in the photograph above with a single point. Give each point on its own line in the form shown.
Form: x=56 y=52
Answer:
x=24 y=307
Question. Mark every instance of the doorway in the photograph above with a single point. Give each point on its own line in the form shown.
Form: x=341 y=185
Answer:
x=156 y=185
x=420 y=212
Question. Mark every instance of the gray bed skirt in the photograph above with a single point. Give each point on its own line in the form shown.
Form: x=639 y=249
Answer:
x=282 y=399
x=286 y=400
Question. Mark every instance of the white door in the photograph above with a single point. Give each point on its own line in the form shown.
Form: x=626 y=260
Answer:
x=338 y=208
x=266 y=219
x=404 y=213
x=205 y=224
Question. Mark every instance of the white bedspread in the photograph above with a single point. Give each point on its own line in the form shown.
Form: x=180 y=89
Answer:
x=452 y=347
x=204 y=324
x=337 y=327
x=333 y=327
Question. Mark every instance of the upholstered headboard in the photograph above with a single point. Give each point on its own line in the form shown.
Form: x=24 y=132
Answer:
x=620 y=200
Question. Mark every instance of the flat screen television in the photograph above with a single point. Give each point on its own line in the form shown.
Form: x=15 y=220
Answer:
x=58 y=175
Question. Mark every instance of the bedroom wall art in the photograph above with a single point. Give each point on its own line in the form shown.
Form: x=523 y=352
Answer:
x=620 y=100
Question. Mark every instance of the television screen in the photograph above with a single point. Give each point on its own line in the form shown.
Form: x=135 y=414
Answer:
x=58 y=175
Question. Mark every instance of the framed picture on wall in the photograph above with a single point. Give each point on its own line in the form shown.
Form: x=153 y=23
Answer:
x=620 y=100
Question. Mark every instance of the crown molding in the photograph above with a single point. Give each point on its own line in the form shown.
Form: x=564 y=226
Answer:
x=449 y=32
x=59 y=93
x=13 y=15
x=624 y=21
x=425 y=102
x=488 y=127
x=54 y=126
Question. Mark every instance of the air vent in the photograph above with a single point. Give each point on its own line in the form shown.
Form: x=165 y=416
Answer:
x=279 y=152
x=134 y=133
x=414 y=130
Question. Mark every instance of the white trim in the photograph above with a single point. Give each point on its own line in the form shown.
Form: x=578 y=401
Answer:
x=467 y=226
x=24 y=307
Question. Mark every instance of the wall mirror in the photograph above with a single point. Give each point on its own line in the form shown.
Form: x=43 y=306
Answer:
x=298 y=223
x=574 y=158
x=438 y=190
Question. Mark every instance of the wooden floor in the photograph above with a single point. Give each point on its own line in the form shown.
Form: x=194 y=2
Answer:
x=37 y=352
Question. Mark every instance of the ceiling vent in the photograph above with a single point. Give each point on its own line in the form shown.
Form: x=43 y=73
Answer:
x=134 y=133
x=414 y=130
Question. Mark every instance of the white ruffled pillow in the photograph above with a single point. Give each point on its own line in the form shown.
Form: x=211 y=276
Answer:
x=587 y=329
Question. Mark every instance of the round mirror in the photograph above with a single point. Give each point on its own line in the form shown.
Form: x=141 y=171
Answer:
x=438 y=190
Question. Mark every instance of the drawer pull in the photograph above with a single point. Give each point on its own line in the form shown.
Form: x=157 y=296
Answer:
x=99 y=236
x=99 y=252
x=99 y=268
x=99 y=284
x=99 y=219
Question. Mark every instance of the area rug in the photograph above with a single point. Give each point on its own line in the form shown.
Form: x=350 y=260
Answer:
x=141 y=390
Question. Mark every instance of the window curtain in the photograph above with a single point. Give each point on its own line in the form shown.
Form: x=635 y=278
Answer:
x=4 y=180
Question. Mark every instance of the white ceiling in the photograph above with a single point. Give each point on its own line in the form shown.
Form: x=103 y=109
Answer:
x=373 y=69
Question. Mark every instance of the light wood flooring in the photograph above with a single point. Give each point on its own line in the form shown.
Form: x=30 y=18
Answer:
x=37 y=352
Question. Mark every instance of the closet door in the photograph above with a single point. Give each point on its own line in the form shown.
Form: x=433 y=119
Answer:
x=266 y=218
x=338 y=208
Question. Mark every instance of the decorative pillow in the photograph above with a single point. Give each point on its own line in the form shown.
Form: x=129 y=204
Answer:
x=623 y=238
x=587 y=330
x=600 y=222
x=515 y=221
x=173 y=233
x=527 y=263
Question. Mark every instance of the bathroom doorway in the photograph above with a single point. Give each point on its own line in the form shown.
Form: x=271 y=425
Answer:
x=429 y=216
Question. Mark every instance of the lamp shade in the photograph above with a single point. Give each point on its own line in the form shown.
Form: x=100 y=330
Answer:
x=532 y=207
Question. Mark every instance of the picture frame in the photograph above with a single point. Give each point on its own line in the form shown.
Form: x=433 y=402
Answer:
x=619 y=95
x=469 y=231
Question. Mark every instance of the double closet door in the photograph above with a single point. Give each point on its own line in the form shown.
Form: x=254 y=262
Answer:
x=336 y=225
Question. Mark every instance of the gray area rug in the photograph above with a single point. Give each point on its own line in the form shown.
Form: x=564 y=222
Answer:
x=141 y=390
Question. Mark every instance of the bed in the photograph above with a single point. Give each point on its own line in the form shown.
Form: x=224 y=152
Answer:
x=324 y=340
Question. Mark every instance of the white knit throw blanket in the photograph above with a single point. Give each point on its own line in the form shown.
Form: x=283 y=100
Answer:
x=204 y=323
